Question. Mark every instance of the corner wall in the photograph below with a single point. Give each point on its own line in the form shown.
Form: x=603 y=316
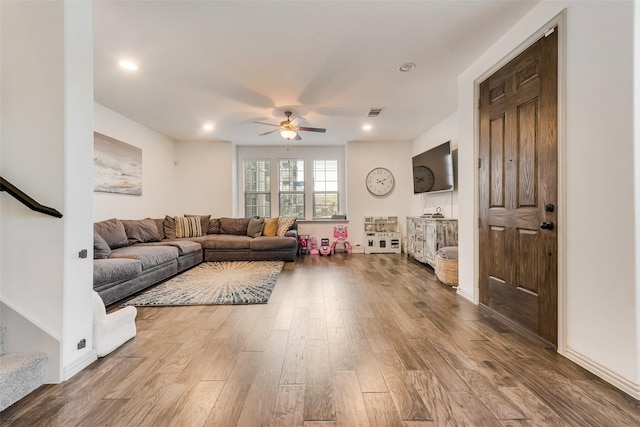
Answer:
x=159 y=172
x=599 y=281
x=46 y=95
x=361 y=158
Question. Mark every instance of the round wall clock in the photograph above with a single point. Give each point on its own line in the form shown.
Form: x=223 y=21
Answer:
x=422 y=179
x=380 y=181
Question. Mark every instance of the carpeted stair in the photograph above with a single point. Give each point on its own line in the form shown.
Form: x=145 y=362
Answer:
x=20 y=373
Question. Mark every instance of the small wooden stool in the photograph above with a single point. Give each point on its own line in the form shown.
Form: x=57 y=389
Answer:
x=447 y=265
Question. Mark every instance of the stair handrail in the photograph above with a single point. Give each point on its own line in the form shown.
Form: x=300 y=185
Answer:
x=26 y=200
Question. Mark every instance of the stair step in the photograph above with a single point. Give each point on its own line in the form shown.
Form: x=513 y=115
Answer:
x=20 y=374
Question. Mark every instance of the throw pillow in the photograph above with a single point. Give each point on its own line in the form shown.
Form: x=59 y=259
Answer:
x=101 y=249
x=188 y=226
x=214 y=226
x=204 y=222
x=270 y=227
x=160 y=226
x=112 y=231
x=254 y=229
x=169 y=226
x=141 y=231
x=283 y=225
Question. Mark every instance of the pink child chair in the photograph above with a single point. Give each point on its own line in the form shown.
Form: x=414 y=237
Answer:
x=314 y=246
x=340 y=233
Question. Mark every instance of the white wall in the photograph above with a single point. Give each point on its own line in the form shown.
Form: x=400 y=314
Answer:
x=204 y=185
x=597 y=253
x=46 y=124
x=446 y=130
x=159 y=172
x=361 y=158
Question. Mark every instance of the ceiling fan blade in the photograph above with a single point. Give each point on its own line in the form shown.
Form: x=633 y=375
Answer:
x=268 y=124
x=297 y=138
x=296 y=118
x=267 y=133
x=312 y=129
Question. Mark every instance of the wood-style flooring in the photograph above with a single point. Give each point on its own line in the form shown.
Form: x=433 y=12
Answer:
x=346 y=340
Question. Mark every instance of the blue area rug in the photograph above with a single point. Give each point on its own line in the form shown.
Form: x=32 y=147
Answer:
x=209 y=283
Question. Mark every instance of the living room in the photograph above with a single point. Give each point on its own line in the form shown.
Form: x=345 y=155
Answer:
x=599 y=283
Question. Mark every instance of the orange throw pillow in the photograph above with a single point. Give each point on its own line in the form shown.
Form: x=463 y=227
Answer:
x=270 y=227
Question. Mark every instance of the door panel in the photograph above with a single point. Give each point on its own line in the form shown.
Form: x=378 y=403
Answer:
x=518 y=176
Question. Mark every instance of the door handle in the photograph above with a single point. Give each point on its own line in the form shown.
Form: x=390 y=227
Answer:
x=546 y=225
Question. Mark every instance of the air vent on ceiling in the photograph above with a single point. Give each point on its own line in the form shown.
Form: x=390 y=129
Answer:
x=374 y=112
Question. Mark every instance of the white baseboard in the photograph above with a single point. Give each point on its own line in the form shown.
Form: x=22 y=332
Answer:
x=465 y=294
x=613 y=378
x=87 y=359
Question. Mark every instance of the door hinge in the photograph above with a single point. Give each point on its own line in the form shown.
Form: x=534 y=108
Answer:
x=479 y=103
x=479 y=162
x=479 y=222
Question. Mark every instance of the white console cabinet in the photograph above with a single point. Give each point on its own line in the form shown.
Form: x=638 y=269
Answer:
x=426 y=235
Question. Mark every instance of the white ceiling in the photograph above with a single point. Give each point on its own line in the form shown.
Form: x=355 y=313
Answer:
x=234 y=62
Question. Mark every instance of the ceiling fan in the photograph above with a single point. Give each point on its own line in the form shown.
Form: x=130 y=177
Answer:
x=289 y=129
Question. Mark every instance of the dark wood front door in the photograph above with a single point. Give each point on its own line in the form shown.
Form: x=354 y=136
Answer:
x=518 y=189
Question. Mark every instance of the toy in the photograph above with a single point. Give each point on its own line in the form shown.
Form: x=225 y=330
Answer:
x=340 y=233
x=325 y=249
x=303 y=244
x=314 y=248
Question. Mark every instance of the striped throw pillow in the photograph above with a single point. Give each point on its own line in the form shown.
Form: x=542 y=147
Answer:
x=188 y=226
x=283 y=225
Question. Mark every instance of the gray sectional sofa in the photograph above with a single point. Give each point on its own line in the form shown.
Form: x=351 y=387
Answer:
x=131 y=255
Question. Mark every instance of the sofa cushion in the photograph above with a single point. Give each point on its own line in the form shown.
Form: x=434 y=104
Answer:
x=101 y=249
x=141 y=231
x=149 y=256
x=114 y=270
x=226 y=242
x=236 y=226
x=188 y=226
x=270 y=227
x=214 y=226
x=268 y=243
x=254 y=229
x=112 y=231
x=284 y=223
x=169 y=226
x=184 y=246
x=204 y=222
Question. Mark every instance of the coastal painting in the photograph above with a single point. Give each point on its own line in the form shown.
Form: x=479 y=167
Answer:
x=117 y=166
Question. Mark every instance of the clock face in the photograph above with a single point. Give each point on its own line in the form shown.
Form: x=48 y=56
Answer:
x=422 y=179
x=380 y=182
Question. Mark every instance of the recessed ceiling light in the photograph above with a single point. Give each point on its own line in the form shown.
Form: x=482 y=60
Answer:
x=128 y=65
x=405 y=68
x=366 y=127
x=208 y=127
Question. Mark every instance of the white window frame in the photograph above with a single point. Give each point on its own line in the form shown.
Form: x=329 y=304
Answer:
x=309 y=154
x=266 y=192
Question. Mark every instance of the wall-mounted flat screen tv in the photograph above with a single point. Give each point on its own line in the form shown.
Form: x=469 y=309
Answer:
x=433 y=170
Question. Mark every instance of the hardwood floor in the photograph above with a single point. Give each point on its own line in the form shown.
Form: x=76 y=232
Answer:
x=346 y=340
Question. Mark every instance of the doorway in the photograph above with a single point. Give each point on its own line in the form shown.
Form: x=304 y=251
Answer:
x=518 y=189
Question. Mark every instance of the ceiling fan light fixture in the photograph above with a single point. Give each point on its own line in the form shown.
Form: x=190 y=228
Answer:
x=288 y=134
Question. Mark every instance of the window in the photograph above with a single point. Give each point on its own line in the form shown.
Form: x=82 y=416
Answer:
x=304 y=182
x=291 y=188
x=325 y=188
x=257 y=188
